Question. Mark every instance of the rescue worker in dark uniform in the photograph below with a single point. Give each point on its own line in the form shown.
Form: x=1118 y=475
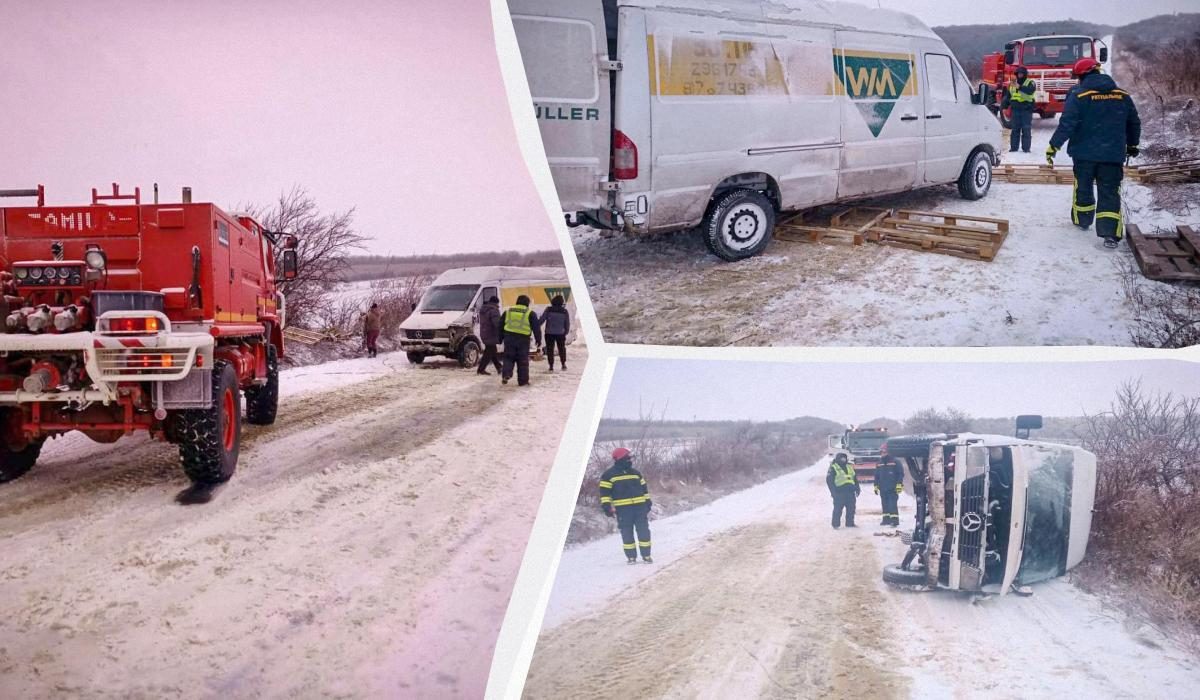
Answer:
x=1019 y=97
x=519 y=322
x=623 y=495
x=889 y=484
x=1101 y=124
x=843 y=486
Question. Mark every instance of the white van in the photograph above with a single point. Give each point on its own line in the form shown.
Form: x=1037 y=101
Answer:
x=446 y=321
x=661 y=115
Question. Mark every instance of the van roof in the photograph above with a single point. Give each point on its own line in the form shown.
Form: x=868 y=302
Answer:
x=837 y=15
x=479 y=275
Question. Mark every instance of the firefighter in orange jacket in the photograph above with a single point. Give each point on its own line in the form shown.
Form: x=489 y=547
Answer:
x=623 y=495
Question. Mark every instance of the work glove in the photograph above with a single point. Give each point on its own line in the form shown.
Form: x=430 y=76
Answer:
x=608 y=510
x=876 y=489
x=899 y=488
x=1132 y=151
x=1051 y=151
x=857 y=490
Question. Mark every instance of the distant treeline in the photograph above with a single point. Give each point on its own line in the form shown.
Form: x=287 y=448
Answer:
x=375 y=267
x=1067 y=429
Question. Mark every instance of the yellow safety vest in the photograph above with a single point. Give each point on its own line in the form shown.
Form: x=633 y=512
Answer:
x=843 y=476
x=1015 y=94
x=518 y=322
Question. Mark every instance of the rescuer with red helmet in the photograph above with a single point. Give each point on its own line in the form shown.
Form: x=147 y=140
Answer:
x=623 y=495
x=1101 y=125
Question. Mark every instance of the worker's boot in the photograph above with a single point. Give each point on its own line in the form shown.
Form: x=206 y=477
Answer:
x=1111 y=243
x=648 y=560
x=631 y=561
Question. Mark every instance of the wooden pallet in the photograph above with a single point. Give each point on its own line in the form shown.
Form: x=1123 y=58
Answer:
x=1183 y=170
x=304 y=336
x=1167 y=257
x=1033 y=174
x=842 y=227
x=970 y=237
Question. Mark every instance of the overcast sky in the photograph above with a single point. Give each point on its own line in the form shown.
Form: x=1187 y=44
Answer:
x=1114 y=12
x=395 y=107
x=851 y=392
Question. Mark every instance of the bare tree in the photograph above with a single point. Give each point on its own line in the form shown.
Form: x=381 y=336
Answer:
x=931 y=420
x=1165 y=316
x=326 y=240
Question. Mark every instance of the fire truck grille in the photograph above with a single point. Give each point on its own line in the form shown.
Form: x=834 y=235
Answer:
x=141 y=363
x=1056 y=84
x=972 y=520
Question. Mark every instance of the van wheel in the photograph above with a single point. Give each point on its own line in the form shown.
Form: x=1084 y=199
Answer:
x=210 y=437
x=976 y=178
x=903 y=577
x=468 y=353
x=739 y=224
x=416 y=357
x=912 y=445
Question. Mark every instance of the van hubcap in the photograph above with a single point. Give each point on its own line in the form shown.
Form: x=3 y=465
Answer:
x=744 y=226
x=982 y=176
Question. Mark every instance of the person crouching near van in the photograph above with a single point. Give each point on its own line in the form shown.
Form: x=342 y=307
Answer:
x=372 y=324
x=1019 y=98
x=519 y=323
x=489 y=334
x=843 y=486
x=556 y=324
x=889 y=484
x=623 y=495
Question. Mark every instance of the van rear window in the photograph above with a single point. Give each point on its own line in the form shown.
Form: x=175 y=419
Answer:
x=560 y=59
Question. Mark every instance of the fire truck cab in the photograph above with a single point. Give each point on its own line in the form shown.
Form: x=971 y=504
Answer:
x=1049 y=60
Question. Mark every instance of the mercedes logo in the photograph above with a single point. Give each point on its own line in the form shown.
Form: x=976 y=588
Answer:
x=971 y=522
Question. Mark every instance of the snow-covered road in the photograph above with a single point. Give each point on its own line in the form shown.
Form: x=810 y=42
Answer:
x=1051 y=284
x=366 y=546
x=755 y=595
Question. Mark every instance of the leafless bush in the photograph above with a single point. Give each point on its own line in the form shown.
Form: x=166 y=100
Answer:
x=1165 y=316
x=1146 y=521
x=396 y=299
x=325 y=242
x=932 y=420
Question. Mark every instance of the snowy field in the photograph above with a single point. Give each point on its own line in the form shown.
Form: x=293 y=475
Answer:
x=366 y=546
x=754 y=595
x=1050 y=284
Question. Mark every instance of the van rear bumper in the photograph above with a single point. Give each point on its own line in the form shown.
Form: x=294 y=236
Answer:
x=606 y=219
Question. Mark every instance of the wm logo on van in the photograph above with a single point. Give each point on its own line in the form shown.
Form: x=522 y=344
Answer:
x=552 y=292
x=874 y=82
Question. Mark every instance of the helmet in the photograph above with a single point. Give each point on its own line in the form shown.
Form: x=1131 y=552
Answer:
x=620 y=453
x=1022 y=69
x=841 y=454
x=1084 y=66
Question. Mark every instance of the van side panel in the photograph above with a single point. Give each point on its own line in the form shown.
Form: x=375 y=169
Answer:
x=731 y=100
x=563 y=44
x=882 y=113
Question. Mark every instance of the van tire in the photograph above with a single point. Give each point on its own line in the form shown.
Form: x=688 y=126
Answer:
x=912 y=445
x=739 y=224
x=468 y=353
x=262 y=402
x=415 y=358
x=976 y=177
x=903 y=577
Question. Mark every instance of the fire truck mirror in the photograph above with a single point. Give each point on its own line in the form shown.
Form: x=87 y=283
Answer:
x=291 y=242
x=1104 y=54
x=290 y=263
x=1010 y=55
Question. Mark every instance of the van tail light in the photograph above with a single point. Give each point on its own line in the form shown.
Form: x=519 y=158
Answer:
x=625 y=157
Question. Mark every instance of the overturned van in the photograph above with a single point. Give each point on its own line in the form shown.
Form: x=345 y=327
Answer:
x=662 y=115
x=994 y=513
x=446 y=320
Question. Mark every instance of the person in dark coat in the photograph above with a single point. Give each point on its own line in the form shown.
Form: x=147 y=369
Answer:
x=519 y=323
x=624 y=495
x=1019 y=100
x=489 y=334
x=843 y=487
x=1101 y=125
x=889 y=484
x=372 y=324
x=556 y=324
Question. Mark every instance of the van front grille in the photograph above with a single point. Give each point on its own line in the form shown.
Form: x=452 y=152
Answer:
x=972 y=520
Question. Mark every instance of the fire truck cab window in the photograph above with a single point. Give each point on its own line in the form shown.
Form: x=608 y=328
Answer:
x=1056 y=52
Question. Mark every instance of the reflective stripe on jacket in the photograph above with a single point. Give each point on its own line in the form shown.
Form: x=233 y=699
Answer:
x=1021 y=92
x=622 y=485
x=843 y=475
x=518 y=322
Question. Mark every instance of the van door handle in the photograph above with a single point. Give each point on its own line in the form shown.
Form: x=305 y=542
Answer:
x=933 y=116
x=908 y=118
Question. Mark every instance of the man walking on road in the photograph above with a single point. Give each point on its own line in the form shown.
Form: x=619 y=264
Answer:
x=489 y=334
x=372 y=324
x=1101 y=124
x=556 y=324
x=889 y=484
x=519 y=323
x=1018 y=98
x=843 y=486
x=623 y=495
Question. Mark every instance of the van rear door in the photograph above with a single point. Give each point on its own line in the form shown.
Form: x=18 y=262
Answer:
x=564 y=47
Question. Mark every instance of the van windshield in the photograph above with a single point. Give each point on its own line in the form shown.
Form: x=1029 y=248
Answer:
x=451 y=297
x=1059 y=51
x=1047 y=520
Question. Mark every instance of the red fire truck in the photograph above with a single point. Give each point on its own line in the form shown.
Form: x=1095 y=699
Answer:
x=120 y=316
x=1049 y=60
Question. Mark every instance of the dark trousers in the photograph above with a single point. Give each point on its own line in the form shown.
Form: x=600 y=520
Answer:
x=843 y=499
x=630 y=518
x=890 y=500
x=559 y=341
x=516 y=353
x=1098 y=197
x=1022 y=129
x=490 y=356
x=371 y=340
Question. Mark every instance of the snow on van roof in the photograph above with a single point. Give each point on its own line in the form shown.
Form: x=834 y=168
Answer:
x=479 y=275
x=840 y=15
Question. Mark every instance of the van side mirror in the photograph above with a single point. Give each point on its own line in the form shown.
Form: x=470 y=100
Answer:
x=983 y=95
x=1026 y=424
x=1104 y=54
x=290 y=263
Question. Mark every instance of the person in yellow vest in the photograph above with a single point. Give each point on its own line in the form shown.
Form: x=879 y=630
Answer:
x=519 y=323
x=843 y=486
x=1019 y=99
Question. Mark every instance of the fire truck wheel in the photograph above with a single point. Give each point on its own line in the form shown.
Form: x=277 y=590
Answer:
x=468 y=353
x=903 y=577
x=1005 y=118
x=416 y=357
x=976 y=177
x=739 y=224
x=262 y=402
x=14 y=463
x=1047 y=115
x=209 y=437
